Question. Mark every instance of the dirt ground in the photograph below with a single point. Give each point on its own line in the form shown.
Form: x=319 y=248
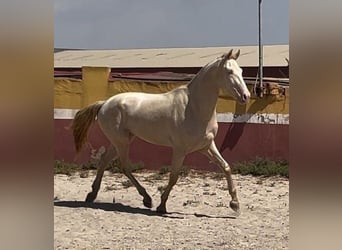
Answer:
x=198 y=214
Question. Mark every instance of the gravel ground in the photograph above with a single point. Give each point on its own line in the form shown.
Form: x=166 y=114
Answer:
x=198 y=214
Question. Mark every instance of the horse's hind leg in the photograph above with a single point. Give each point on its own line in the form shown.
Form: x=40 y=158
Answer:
x=105 y=159
x=123 y=149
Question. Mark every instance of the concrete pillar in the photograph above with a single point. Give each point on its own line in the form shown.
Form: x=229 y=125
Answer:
x=95 y=84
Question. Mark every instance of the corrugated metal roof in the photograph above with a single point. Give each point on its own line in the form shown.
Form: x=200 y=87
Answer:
x=274 y=55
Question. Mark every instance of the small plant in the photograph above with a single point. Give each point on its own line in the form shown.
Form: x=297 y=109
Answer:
x=185 y=171
x=217 y=175
x=262 y=167
x=114 y=166
x=166 y=169
x=61 y=167
x=154 y=177
x=137 y=166
x=91 y=165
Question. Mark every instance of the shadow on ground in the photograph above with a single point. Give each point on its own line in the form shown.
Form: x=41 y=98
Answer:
x=118 y=207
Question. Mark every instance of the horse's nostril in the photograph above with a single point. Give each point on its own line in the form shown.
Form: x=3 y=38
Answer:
x=244 y=97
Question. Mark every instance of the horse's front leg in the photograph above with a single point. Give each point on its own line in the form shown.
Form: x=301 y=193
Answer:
x=105 y=159
x=214 y=155
x=177 y=162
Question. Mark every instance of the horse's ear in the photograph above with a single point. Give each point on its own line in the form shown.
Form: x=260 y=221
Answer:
x=225 y=57
x=229 y=54
x=236 y=55
x=287 y=60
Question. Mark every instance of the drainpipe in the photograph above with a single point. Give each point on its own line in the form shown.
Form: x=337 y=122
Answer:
x=259 y=87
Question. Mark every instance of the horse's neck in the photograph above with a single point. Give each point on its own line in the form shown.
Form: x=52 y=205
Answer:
x=203 y=93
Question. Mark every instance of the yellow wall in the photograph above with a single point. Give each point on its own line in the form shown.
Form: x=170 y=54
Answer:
x=75 y=94
x=68 y=93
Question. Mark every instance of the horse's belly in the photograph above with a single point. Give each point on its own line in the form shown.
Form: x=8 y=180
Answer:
x=152 y=132
x=153 y=137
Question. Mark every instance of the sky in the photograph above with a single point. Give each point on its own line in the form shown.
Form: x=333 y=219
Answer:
x=128 y=24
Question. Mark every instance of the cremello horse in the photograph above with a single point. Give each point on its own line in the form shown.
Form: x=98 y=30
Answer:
x=183 y=119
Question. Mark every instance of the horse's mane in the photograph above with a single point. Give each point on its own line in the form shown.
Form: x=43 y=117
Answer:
x=205 y=68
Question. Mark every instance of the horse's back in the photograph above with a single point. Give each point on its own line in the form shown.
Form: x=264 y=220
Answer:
x=151 y=117
x=149 y=106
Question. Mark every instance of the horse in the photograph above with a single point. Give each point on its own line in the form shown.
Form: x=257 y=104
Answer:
x=183 y=119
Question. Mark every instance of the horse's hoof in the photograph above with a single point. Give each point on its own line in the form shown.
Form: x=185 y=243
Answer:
x=147 y=202
x=235 y=206
x=161 y=210
x=91 y=197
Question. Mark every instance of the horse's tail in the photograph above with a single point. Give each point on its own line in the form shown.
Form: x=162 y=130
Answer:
x=82 y=121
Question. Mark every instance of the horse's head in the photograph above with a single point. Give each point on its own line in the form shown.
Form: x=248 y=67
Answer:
x=233 y=83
